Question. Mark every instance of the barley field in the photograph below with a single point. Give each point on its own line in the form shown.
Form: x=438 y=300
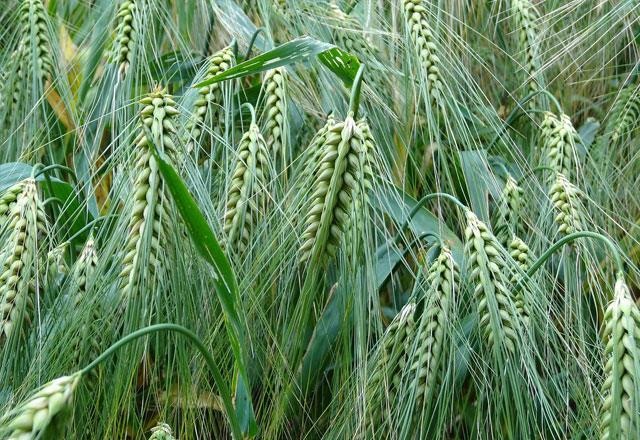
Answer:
x=319 y=219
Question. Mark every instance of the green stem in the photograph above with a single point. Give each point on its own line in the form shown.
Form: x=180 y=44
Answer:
x=234 y=48
x=572 y=237
x=354 y=100
x=217 y=376
x=91 y=224
x=251 y=110
x=54 y=167
x=425 y=199
x=254 y=37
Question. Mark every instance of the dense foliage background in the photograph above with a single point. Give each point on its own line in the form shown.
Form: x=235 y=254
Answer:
x=363 y=219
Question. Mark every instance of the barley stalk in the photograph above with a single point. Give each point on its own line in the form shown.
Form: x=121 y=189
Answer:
x=425 y=361
x=247 y=195
x=209 y=106
x=560 y=139
x=26 y=222
x=275 y=123
x=162 y=432
x=488 y=273
x=42 y=412
x=150 y=199
x=424 y=44
x=524 y=20
x=509 y=207
x=565 y=196
x=620 y=411
x=336 y=186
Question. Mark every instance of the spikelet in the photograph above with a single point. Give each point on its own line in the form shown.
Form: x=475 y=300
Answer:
x=127 y=33
x=25 y=223
x=391 y=353
x=162 y=432
x=620 y=411
x=150 y=199
x=275 y=116
x=208 y=108
x=313 y=154
x=56 y=265
x=569 y=211
x=9 y=198
x=247 y=195
x=624 y=116
x=43 y=412
x=521 y=254
x=488 y=274
x=337 y=184
x=509 y=207
x=83 y=273
x=425 y=361
x=421 y=38
x=371 y=150
x=524 y=16
x=33 y=18
x=560 y=140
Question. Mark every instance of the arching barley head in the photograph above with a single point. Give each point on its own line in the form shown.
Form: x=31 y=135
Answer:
x=247 y=196
x=42 y=412
x=488 y=273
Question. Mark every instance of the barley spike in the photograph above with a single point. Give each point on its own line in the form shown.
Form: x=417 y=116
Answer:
x=620 y=410
x=42 y=412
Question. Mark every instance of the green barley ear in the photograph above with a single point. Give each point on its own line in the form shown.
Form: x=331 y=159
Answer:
x=33 y=18
x=521 y=254
x=524 y=15
x=208 y=110
x=509 y=207
x=43 y=414
x=337 y=184
x=247 y=196
x=25 y=225
x=349 y=35
x=569 y=211
x=150 y=197
x=624 y=116
x=128 y=29
x=83 y=273
x=438 y=291
x=275 y=116
x=162 y=432
x=386 y=375
x=489 y=275
x=560 y=140
x=620 y=411
x=424 y=44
